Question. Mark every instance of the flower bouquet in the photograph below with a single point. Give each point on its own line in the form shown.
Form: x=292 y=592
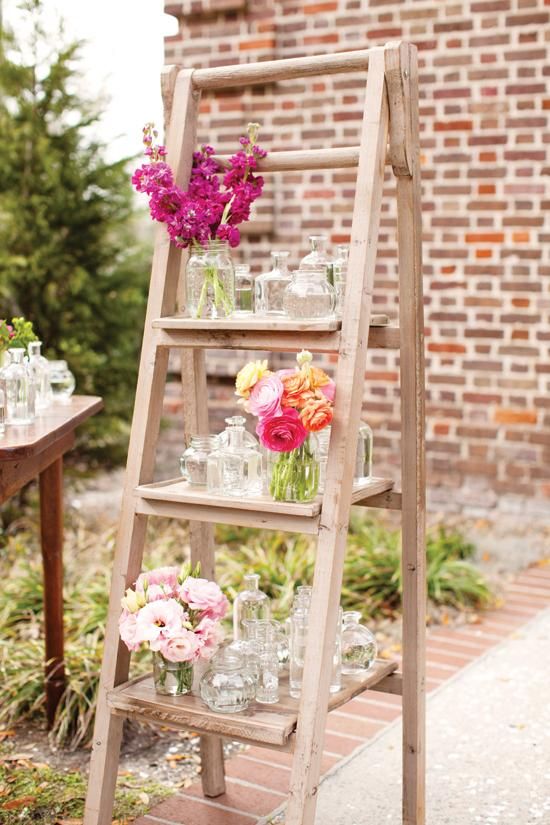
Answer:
x=291 y=405
x=177 y=614
x=205 y=217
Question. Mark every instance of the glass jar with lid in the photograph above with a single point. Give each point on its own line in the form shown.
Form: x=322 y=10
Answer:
x=193 y=461
x=210 y=280
x=62 y=381
x=227 y=686
x=318 y=257
x=309 y=296
x=270 y=286
x=359 y=648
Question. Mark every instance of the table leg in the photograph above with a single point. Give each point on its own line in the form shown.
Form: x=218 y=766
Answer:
x=51 y=530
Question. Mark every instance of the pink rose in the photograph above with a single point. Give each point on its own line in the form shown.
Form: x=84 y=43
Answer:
x=127 y=629
x=203 y=595
x=265 y=398
x=158 y=621
x=182 y=648
x=282 y=433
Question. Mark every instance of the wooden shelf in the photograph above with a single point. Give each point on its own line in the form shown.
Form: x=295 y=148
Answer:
x=269 y=725
x=257 y=333
x=176 y=498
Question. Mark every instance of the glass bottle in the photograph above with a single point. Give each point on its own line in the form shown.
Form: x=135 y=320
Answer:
x=267 y=689
x=251 y=604
x=340 y=272
x=193 y=461
x=235 y=469
x=62 y=381
x=359 y=648
x=309 y=295
x=270 y=286
x=318 y=257
x=244 y=290
x=18 y=388
x=2 y=405
x=227 y=686
x=298 y=638
x=237 y=421
x=210 y=280
x=336 y=674
x=40 y=372
x=363 y=461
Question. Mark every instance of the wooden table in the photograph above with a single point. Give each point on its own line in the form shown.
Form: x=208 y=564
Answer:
x=38 y=450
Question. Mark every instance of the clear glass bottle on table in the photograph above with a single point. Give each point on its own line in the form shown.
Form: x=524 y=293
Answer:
x=62 y=381
x=359 y=648
x=318 y=257
x=340 y=273
x=235 y=468
x=227 y=686
x=250 y=605
x=193 y=461
x=19 y=390
x=244 y=290
x=237 y=421
x=270 y=286
x=39 y=368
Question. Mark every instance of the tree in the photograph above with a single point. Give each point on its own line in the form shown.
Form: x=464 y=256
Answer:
x=69 y=256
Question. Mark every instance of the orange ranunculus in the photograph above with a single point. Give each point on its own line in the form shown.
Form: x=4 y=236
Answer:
x=318 y=377
x=296 y=389
x=316 y=414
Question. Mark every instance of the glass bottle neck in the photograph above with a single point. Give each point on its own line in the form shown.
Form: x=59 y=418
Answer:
x=16 y=355
x=280 y=261
x=318 y=243
x=310 y=275
x=204 y=442
x=352 y=616
x=252 y=582
x=34 y=348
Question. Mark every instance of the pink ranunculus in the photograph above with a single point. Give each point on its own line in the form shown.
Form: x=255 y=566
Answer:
x=265 y=398
x=209 y=635
x=204 y=595
x=158 y=621
x=329 y=391
x=167 y=576
x=184 y=647
x=282 y=433
x=127 y=629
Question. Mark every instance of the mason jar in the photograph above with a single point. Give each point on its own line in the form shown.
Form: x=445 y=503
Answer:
x=194 y=459
x=210 y=280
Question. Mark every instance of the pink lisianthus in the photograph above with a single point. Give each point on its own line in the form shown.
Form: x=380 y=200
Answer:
x=165 y=576
x=204 y=596
x=185 y=647
x=127 y=628
x=159 y=621
x=265 y=398
x=209 y=635
x=282 y=433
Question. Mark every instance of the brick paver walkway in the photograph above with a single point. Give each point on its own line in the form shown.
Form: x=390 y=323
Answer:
x=258 y=779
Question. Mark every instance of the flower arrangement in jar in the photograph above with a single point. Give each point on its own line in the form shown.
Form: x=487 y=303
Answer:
x=291 y=405
x=204 y=217
x=177 y=615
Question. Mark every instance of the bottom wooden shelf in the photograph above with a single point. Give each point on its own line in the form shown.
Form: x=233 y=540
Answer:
x=268 y=725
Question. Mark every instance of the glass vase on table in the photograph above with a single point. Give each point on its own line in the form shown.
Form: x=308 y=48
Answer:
x=171 y=678
x=293 y=476
x=210 y=280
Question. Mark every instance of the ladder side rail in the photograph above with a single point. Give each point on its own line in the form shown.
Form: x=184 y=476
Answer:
x=140 y=466
x=339 y=479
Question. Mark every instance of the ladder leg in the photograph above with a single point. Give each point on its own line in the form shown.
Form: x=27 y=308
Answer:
x=338 y=486
x=413 y=472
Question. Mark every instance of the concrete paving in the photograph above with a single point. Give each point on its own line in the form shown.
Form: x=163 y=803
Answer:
x=488 y=747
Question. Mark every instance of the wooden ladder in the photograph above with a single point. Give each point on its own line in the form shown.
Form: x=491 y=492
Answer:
x=389 y=135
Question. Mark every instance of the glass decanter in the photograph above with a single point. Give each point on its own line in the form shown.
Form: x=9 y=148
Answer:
x=40 y=373
x=62 y=381
x=244 y=290
x=19 y=390
x=359 y=648
x=210 y=280
x=318 y=257
x=235 y=469
x=363 y=460
x=309 y=295
x=340 y=273
x=193 y=461
x=251 y=604
x=270 y=286
x=227 y=686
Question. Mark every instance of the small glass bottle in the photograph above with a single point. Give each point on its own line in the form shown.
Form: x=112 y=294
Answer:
x=237 y=421
x=359 y=648
x=363 y=461
x=62 y=381
x=298 y=637
x=235 y=469
x=336 y=674
x=318 y=257
x=244 y=290
x=251 y=604
x=19 y=390
x=267 y=689
x=309 y=296
x=2 y=405
x=193 y=461
x=270 y=286
x=40 y=372
x=340 y=272
x=227 y=686
x=210 y=280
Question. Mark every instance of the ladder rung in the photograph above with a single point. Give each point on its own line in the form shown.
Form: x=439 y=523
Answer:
x=273 y=71
x=267 y=725
x=341 y=157
x=390 y=500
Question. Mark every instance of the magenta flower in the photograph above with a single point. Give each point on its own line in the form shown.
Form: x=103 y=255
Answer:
x=282 y=433
x=265 y=398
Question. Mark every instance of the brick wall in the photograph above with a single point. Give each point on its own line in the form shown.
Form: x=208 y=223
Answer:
x=485 y=109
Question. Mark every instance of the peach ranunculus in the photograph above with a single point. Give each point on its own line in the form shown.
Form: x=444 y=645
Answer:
x=321 y=381
x=296 y=387
x=249 y=376
x=316 y=414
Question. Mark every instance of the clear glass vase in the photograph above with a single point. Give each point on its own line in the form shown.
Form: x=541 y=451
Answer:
x=227 y=686
x=40 y=374
x=171 y=678
x=309 y=296
x=62 y=381
x=359 y=648
x=270 y=286
x=193 y=461
x=210 y=279
x=294 y=476
x=19 y=390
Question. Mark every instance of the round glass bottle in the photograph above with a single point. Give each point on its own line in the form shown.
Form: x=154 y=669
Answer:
x=309 y=296
x=359 y=648
x=19 y=390
x=227 y=686
x=270 y=286
x=210 y=280
x=318 y=257
x=244 y=290
x=250 y=605
x=193 y=461
x=40 y=373
x=62 y=381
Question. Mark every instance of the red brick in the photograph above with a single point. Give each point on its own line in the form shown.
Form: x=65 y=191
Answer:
x=198 y=812
x=246 y=799
x=508 y=416
x=272 y=778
